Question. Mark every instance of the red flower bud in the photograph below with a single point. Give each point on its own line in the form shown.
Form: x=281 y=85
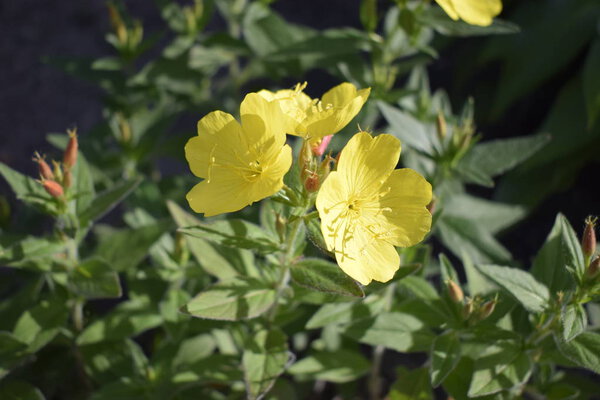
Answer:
x=43 y=167
x=594 y=269
x=70 y=156
x=588 y=241
x=53 y=188
x=311 y=183
x=487 y=309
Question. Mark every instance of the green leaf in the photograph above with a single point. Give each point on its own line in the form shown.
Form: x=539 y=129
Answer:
x=20 y=390
x=29 y=252
x=314 y=234
x=128 y=319
x=533 y=295
x=235 y=233
x=445 y=354
x=501 y=366
x=220 y=368
x=39 y=325
x=465 y=235
x=264 y=359
x=574 y=321
x=591 y=83
x=584 y=350
x=411 y=385
x=492 y=215
x=344 y=313
x=108 y=361
x=106 y=201
x=123 y=249
x=338 y=366
x=12 y=351
x=448 y=271
x=94 y=279
x=406 y=128
x=194 y=349
x=83 y=185
x=561 y=251
x=27 y=189
x=498 y=156
x=398 y=331
x=439 y=20
x=266 y=32
x=232 y=300
x=221 y=262
x=324 y=276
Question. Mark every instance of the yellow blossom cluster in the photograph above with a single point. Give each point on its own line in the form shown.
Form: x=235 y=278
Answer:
x=366 y=206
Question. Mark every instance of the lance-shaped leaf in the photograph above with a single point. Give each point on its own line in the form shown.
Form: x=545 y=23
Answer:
x=106 y=201
x=20 y=390
x=584 y=350
x=264 y=359
x=497 y=156
x=233 y=299
x=411 y=385
x=406 y=128
x=123 y=249
x=398 y=331
x=234 y=233
x=445 y=354
x=501 y=366
x=533 y=295
x=29 y=252
x=94 y=279
x=12 y=351
x=438 y=20
x=338 y=366
x=40 y=324
x=560 y=252
x=324 y=276
x=345 y=313
x=27 y=189
x=573 y=320
x=221 y=262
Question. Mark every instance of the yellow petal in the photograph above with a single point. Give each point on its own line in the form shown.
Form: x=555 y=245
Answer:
x=478 y=12
x=343 y=94
x=271 y=179
x=215 y=128
x=448 y=7
x=404 y=207
x=338 y=107
x=226 y=192
x=331 y=202
x=367 y=258
x=366 y=162
x=276 y=123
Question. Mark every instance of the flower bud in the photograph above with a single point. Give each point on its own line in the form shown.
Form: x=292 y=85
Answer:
x=594 y=269
x=319 y=148
x=588 y=240
x=58 y=173
x=70 y=156
x=67 y=180
x=467 y=309
x=431 y=206
x=53 y=188
x=454 y=291
x=43 y=167
x=487 y=309
x=442 y=129
x=312 y=183
x=305 y=159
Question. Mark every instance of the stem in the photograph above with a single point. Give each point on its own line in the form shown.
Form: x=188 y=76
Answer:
x=285 y=261
x=77 y=315
x=374 y=379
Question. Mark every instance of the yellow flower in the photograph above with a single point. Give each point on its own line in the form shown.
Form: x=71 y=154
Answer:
x=316 y=118
x=367 y=207
x=474 y=12
x=240 y=163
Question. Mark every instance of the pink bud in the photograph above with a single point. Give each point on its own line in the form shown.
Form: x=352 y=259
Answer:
x=319 y=149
